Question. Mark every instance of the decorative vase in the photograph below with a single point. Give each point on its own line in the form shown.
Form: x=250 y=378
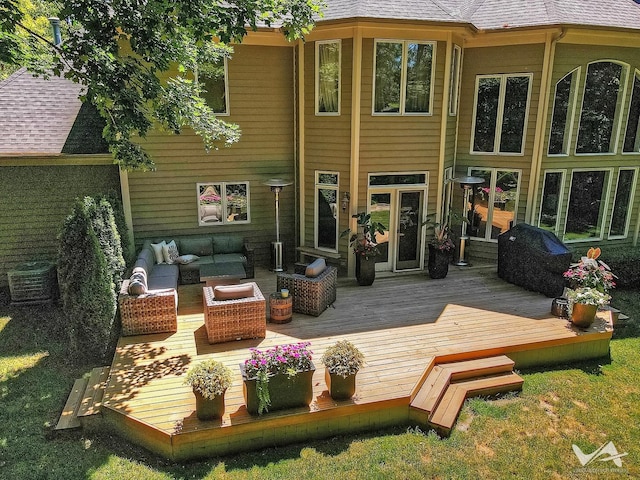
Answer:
x=284 y=391
x=340 y=388
x=365 y=270
x=438 y=265
x=583 y=315
x=209 y=408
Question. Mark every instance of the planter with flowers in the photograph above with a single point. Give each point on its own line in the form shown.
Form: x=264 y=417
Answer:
x=365 y=247
x=441 y=249
x=590 y=281
x=278 y=378
x=209 y=380
x=342 y=362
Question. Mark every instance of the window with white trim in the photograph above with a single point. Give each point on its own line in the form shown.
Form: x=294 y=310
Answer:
x=632 y=133
x=587 y=204
x=328 y=60
x=454 y=83
x=326 y=211
x=500 y=113
x=621 y=215
x=214 y=78
x=221 y=203
x=551 y=200
x=403 y=77
x=563 y=111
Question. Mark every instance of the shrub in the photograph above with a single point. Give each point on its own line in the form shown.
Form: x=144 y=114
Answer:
x=121 y=225
x=624 y=262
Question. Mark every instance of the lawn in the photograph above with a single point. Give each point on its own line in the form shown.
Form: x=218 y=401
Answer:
x=525 y=436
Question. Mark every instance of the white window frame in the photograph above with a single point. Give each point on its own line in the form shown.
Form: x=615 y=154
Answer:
x=559 y=211
x=403 y=78
x=605 y=198
x=223 y=188
x=500 y=115
x=325 y=186
x=634 y=185
x=454 y=80
x=571 y=115
x=317 y=78
x=636 y=74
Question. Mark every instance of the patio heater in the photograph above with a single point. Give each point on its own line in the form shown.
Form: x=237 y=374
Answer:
x=467 y=184
x=277 y=184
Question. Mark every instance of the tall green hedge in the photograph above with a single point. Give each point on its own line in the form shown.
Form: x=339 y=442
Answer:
x=624 y=262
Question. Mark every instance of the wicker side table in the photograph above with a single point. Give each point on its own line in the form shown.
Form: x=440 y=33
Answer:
x=280 y=309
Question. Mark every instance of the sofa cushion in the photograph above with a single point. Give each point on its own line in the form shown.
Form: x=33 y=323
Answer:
x=157 y=249
x=170 y=252
x=315 y=268
x=139 y=275
x=148 y=256
x=163 y=276
x=233 y=292
x=200 y=246
x=136 y=287
x=229 y=258
x=186 y=259
x=227 y=244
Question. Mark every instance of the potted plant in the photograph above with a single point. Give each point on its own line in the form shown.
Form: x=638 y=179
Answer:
x=209 y=380
x=590 y=280
x=365 y=246
x=278 y=378
x=342 y=362
x=441 y=247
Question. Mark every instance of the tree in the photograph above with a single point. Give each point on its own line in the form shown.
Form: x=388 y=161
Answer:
x=139 y=61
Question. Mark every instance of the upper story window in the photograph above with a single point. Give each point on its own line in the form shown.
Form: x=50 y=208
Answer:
x=454 y=84
x=214 y=78
x=632 y=134
x=328 y=60
x=563 y=109
x=403 y=77
x=326 y=211
x=223 y=203
x=600 y=108
x=500 y=113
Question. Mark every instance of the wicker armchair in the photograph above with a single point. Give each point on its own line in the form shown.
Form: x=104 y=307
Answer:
x=227 y=320
x=152 y=312
x=311 y=295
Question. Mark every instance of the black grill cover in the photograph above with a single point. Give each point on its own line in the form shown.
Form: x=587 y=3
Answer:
x=533 y=258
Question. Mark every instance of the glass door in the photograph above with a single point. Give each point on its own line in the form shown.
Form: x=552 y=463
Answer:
x=409 y=230
x=380 y=209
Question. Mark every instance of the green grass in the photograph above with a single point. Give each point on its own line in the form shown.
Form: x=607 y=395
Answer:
x=519 y=436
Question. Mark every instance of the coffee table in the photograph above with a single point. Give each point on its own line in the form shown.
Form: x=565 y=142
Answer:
x=214 y=274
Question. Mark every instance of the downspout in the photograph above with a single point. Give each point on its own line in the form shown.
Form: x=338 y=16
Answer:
x=301 y=143
x=443 y=125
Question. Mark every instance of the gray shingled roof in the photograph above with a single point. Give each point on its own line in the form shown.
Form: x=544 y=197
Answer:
x=493 y=14
x=45 y=117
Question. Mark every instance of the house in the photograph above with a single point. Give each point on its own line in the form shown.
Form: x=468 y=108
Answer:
x=384 y=103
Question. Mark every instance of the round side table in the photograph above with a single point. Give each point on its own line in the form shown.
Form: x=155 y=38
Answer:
x=281 y=309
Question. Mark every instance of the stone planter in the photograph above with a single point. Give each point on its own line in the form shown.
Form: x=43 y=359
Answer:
x=365 y=270
x=340 y=388
x=438 y=265
x=209 y=408
x=583 y=315
x=285 y=392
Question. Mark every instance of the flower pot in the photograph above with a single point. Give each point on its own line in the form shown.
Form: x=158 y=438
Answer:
x=365 y=270
x=583 y=315
x=285 y=391
x=340 y=388
x=209 y=408
x=438 y=265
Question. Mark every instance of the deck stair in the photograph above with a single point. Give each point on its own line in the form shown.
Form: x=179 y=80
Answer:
x=84 y=400
x=439 y=399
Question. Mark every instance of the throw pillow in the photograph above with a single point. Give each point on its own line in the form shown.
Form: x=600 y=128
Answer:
x=315 y=268
x=170 y=252
x=185 y=259
x=233 y=292
x=157 y=250
x=136 y=287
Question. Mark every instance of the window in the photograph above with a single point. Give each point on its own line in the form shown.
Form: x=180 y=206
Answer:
x=563 y=108
x=455 y=80
x=632 y=134
x=551 y=200
x=327 y=211
x=403 y=77
x=494 y=203
x=214 y=78
x=500 y=113
x=586 y=205
x=600 y=105
x=622 y=204
x=222 y=203
x=328 y=55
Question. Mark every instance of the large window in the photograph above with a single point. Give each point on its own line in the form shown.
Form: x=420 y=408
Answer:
x=600 y=108
x=403 y=77
x=500 y=113
x=326 y=211
x=214 y=78
x=328 y=77
x=563 y=108
x=454 y=84
x=632 y=134
x=586 y=207
x=222 y=203
x=551 y=200
x=622 y=204
x=494 y=202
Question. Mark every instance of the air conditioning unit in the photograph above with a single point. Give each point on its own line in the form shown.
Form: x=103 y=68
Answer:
x=32 y=282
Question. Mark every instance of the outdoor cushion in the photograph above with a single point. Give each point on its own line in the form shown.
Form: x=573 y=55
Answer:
x=229 y=258
x=170 y=252
x=157 y=250
x=233 y=292
x=149 y=258
x=140 y=276
x=136 y=287
x=186 y=259
x=315 y=268
x=227 y=244
x=200 y=246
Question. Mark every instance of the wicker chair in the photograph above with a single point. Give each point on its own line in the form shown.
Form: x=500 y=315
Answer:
x=152 y=312
x=227 y=320
x=311 y=295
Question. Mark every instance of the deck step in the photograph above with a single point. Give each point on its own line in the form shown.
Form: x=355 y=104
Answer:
x=446 y=412
x=69 y=417
x=94 y=392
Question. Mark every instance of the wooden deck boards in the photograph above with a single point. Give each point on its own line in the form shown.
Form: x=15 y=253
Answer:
x=401 y=324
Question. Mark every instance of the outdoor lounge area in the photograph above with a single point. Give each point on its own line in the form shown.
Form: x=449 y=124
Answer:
x=406 y=326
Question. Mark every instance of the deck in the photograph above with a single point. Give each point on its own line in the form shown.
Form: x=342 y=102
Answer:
x=403 y=325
